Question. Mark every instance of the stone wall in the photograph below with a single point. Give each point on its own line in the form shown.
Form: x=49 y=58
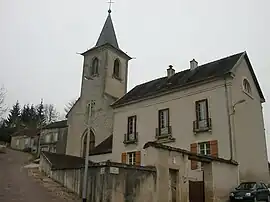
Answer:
x=107 y=181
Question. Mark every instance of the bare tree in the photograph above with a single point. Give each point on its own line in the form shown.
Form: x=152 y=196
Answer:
x=3 y=107
x=69 y=105
x=50 y=113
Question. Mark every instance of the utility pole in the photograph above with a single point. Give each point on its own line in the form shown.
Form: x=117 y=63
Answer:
x=89 y=122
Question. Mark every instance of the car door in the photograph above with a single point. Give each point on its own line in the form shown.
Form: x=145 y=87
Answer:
x=260 y=193
x=265 y=192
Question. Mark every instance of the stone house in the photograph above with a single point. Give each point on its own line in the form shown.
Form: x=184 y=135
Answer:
x=25 y=140
x=53 y=137
x=212 y=109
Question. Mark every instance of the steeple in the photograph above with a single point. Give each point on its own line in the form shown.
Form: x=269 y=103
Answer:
x=107 y=34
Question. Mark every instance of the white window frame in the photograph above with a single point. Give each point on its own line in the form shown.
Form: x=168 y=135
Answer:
x=131 y=158
x=131 y=125
x=163 y=116
x=205 y=151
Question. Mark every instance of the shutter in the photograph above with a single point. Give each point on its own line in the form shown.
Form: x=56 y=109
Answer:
x=135 y=124
x=197 y=110
x=214 y=148
x=193 y=149
x=138 y=158
x=124 y=158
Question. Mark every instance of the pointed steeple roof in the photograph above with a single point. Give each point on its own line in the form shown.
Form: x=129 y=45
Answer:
x=107 y=34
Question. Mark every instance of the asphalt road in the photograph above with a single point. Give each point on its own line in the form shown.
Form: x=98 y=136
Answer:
x=15 y=183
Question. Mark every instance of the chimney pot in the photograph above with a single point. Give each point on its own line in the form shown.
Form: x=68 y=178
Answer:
x=193 y=64
x=170 y=71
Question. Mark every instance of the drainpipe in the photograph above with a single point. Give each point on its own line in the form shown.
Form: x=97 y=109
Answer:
x=229 y=119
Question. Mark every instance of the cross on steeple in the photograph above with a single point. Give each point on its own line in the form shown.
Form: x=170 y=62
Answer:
x=110 y=5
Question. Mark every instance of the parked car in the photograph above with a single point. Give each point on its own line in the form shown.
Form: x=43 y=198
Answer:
x=2 y=148
x=250 y=191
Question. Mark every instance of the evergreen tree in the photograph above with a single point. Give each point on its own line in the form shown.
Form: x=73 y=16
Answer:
x=40 y=114
x=25 y=116
x=13 y=120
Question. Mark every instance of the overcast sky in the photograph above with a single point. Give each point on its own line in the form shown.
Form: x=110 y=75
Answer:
x=39 y=41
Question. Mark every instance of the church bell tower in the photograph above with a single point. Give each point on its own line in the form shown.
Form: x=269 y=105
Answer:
x=105 y=66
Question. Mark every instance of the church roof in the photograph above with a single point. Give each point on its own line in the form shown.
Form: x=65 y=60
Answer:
x=185 y=78
x=107 y=34
x=104 y=147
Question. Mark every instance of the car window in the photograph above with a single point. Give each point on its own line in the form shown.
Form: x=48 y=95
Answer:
x=264 y=186
x=246 y=185
x=260 y=186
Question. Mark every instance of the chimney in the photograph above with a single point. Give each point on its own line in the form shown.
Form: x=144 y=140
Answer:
x=170 y=71
x=193 y=64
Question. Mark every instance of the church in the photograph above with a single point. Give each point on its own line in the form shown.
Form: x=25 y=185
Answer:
x=104 y=80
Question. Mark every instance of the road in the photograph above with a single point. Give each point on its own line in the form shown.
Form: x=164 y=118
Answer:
x=15 y=183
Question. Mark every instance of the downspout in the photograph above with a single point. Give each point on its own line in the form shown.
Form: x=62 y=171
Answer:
x=229 y=119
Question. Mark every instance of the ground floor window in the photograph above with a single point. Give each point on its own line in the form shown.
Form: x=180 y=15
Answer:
x=204 y=148
x=131 y=158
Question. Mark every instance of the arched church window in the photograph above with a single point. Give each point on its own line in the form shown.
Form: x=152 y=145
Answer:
x=94 y=68
x=116 y=69
x=91 y=143
x=246 y=86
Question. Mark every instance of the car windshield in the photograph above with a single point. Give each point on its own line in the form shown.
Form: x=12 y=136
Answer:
x=246 y=186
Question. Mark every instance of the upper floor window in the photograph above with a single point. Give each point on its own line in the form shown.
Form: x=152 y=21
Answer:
x=203 y=122
x=94 y=67
x=116 y=69
x=163 y=117
x=131 y=125
x=246 y=86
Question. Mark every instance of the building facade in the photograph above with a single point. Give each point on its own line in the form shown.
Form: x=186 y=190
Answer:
x=53 y=137
x=213 y=109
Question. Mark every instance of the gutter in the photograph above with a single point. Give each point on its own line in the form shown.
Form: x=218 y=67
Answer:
x=229 y=119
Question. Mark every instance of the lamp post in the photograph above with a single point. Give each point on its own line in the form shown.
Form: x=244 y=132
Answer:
x=89 y=122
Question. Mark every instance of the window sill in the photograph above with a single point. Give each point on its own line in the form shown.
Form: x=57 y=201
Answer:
x=117 y=78
x=248 y=94
x=165 y=139
x=127 y=142
x=202 y=130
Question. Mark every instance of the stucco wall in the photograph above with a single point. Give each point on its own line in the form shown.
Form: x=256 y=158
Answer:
x=248 y=128
x=182 y=115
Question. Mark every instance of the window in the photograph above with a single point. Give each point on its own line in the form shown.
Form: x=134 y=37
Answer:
x=48 y=138
x=202 y=115
x=131 y=158
x=131 y=125
x=94 y=68
x=246 y=86
x=163 y=119
x=131 y=136
x=204 y=148
x=116 y=69
x=55 y=137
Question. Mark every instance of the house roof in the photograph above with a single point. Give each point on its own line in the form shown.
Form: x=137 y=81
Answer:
x=57 y=124
x=26 y=132
x=187 y=77
x=62 y=161
x=104 y=147
x=192 y=156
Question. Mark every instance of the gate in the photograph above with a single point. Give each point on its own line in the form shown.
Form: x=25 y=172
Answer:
x=196 y=191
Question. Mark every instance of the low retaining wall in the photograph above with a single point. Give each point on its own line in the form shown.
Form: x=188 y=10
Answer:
x=107 y=181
